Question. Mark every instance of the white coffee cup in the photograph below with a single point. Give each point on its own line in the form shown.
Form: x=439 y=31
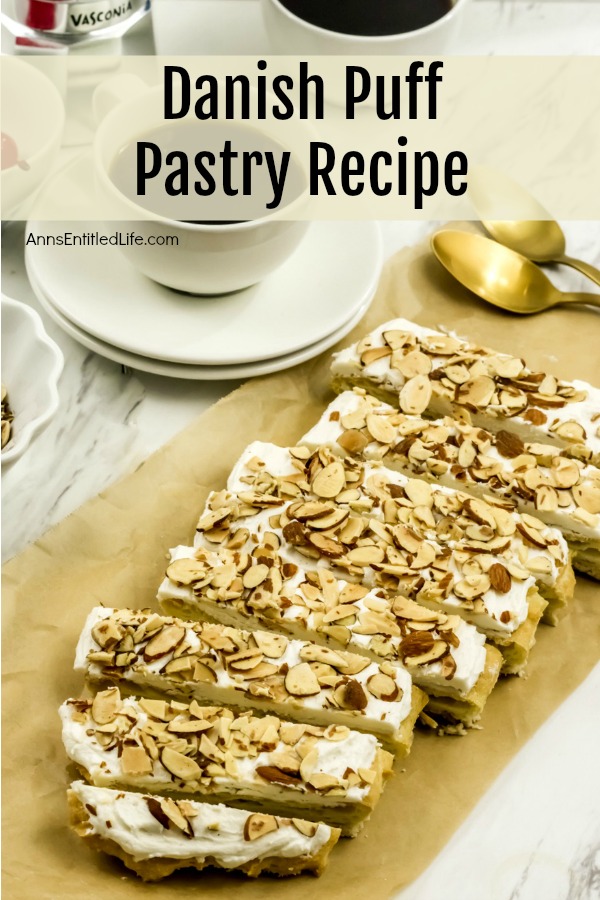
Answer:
x=204 y=258
x=33 y=115
x=291 y=35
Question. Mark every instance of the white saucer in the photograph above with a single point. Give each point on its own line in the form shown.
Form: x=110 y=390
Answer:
x=325 y=282
x=179 y=370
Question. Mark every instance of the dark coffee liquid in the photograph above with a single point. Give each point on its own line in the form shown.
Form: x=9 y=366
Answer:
x=369 y=17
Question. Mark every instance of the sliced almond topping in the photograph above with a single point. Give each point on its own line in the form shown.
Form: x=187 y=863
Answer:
x=323 y=781
x=204 y=673
x=418 y=492
x=351 y=695
x=477 y=391
x=164 y=642
x=383 y=687
x=571 y=431
x=158 y=709
x=106 y=705
x=353 y=441
x=587 y=496
x=135 y=761
x=301 y=681
x=381 y=429
x=257 y=825
x=272 y=645
x=369 y=555
x=308 y=829
x=472 y=586
x=255 y=575
x=330 y=480
x=412 y=364
x=415 y=395
x=315 y=653
x=333 y=520
x=180 y=766
x=397 y=339
x=309 y=764
x=565 y=472
x=373 y=354
x=186 y=571
x=546 y=498
x=539 y=565
x=326 y=545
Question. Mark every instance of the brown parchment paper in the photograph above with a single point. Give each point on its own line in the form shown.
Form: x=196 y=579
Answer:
x=113 y=550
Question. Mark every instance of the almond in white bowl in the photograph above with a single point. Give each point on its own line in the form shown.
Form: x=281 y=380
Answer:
x=31 y=367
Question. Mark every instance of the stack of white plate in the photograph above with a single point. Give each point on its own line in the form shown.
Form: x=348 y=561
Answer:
x=102 y=301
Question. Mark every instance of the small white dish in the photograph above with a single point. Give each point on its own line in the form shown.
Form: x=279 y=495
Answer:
x=191 y=372
x=314 y=293
x=31 y=367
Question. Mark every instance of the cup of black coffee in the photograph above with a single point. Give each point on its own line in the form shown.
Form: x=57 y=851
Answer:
x=345 y=27
x=212 y=244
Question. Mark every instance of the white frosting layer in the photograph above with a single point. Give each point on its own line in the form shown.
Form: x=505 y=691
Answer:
x=381 y=717
x=356 y=750
x=495 y=604
x=329 y=429
x=469 y=656
x=347 y=364
x=217 y=830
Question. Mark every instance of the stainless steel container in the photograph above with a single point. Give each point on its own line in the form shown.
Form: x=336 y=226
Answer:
x=68 y=22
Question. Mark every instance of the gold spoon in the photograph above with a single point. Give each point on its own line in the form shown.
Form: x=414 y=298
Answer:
x=499 y=275
x=535 y=234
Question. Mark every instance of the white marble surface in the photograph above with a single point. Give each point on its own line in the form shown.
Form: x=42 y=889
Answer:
x=536 y=834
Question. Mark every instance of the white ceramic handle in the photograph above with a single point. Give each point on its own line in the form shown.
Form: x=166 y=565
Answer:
x=113 y=91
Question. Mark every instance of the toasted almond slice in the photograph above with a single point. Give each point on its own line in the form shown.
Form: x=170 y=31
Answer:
x=438 y=649
x=418 y=492
x=472 y=586
x=330 y=480
x=326 y=545
x=301 y=681
x=406 y=539
x=353 y=441
x=351 y=695
x=135 y=761
x=373 y=354
x=336 y=733
x=164 y=642
x=565 y=472
x=477 y=391
x=397 y=339
x=383 y=687
x=203 y=673
x=316 y=653
x=415 y=395
x=308 y=829
x=408 y=609
x=180 y=766
x=309 y=764
x=333 y=520
x=258 y=824
x=571 y=431
x=539 y=565
x=272 y=645
x=530 y=534
x=245 y=659
x=312 y=509
x=369 y=555
x=158 y=709
x=186 y=571
x=323 y=781
x=106 y=705
x=380 y=428
x=189 y=726
x=587 y=496
x=255 y=575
